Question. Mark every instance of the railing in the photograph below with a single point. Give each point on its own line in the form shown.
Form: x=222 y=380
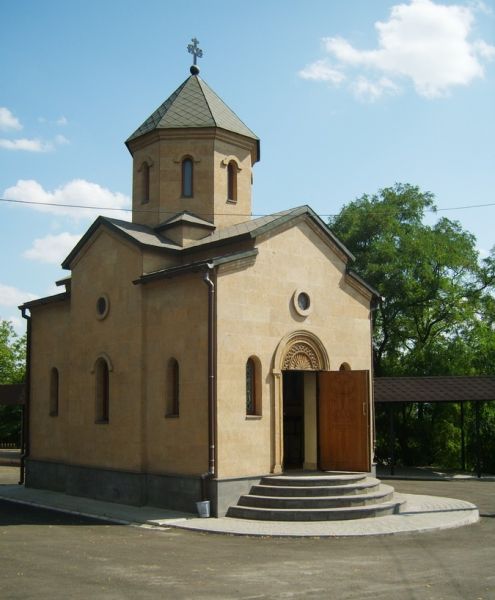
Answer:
x=9 y=445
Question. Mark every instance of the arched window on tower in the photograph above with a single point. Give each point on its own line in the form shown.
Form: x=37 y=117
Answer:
x=187 y=177
x=145 y=183
x=102 y=391
x=232 y=181
x=54 y=384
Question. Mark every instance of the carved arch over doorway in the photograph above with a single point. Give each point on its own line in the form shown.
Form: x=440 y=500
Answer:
x=302 y=351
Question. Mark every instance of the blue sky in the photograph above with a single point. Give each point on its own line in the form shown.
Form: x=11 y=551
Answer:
x=347 y=98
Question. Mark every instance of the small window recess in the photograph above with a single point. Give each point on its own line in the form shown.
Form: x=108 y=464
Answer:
x=172 y=389
x=102 y=307
x=101 y=370
x=187 y=169
x=233 y=168
x=145 y=183
x=144 y=187
x=253 y=388
x=54 y=392
x=232 y=182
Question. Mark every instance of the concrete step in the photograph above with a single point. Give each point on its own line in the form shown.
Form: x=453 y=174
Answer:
x=384 y=494
x=321 y=480
x=370 y=484
x=315 y=514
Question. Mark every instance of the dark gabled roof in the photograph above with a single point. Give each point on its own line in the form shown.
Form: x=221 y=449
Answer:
x=137 y=234
x=45 y=300
x=256 y=227
x=434 y=389
x=193 y=104
x=185 y=217
x=143 y=235
x=196 y=266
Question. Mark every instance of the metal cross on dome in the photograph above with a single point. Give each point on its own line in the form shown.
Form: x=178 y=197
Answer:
x=195 y=50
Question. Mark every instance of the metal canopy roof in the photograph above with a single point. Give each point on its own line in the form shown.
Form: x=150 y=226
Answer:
x=434 y=389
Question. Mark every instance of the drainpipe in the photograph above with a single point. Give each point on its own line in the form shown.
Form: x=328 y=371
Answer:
x=211 y=473
x=25 y=412
x=373 y=309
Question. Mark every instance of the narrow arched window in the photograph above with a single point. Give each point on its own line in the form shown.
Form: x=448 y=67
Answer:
x=102 y=391
x=232 y=181
x=54 y=382
x=173 y=389
x=145 y=183
x=187 y=178
x=253 y=386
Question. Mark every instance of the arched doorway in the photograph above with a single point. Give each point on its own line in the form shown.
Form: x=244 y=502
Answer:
x=322 y=418
x=298 y=358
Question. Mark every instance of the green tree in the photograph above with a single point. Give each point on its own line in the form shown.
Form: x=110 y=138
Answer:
x=433 y=286
x=12 y=370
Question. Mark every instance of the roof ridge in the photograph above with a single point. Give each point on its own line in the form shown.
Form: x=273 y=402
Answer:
x=200 y=82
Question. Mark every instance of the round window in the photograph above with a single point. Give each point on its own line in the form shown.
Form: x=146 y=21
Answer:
x=301 y=301
x=102 y=307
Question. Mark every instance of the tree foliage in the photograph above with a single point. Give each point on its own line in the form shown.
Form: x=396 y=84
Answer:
x=435 y=291
x=12 y=354
x=12 y=370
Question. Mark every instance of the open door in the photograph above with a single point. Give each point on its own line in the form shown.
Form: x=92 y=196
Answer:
x=343 y=421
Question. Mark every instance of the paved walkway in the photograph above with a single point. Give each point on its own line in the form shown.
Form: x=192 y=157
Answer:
x=427 y=474
x=419 y=513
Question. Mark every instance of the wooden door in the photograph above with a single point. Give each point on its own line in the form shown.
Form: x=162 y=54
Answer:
x=343 y=421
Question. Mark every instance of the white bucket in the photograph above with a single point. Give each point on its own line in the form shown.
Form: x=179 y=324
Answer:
x=203 y=508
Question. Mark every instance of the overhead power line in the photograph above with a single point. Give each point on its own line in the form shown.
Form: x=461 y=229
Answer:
x=107 y=208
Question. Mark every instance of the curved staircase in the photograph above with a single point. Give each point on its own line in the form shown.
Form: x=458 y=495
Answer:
x=324 y=496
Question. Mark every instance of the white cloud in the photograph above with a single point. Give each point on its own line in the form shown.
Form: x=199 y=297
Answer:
x=52 y=248
x=423 y=42
x=79 y=193
x=480 y=6
x=29 y=145
x=18 y=323
x=7 y=120
x=10 y=299
x=13 y=297
x=322 y=71
x=369 y=91
x=61 y=121
x=33 y=145
x=484 y=50
x=61 y=140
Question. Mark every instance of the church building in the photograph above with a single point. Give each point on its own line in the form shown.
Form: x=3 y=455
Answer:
x=196 y=349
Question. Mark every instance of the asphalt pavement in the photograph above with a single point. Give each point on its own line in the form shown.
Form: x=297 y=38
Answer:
x=52 y=555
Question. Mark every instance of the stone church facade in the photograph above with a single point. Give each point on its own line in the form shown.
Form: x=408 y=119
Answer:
x=195 y=349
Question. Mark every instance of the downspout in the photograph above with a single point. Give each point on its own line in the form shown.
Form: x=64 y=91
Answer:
x=211 y=473
x=25 y=412
x=373 y=309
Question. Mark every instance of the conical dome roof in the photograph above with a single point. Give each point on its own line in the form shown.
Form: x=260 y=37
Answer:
x=193 y=104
